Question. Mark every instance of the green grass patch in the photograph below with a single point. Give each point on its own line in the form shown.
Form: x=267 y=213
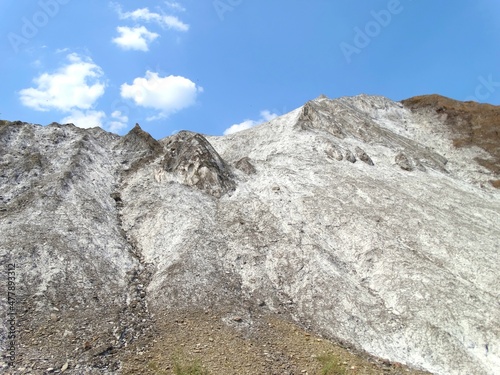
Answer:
x=179 y=368
x=193 y=368
x=331 y=365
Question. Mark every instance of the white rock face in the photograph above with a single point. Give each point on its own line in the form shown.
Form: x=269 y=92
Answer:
x=355 y=217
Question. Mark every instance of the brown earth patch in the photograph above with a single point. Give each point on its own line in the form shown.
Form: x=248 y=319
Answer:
x=228 y=345
x=471 y=123
x=495 y=183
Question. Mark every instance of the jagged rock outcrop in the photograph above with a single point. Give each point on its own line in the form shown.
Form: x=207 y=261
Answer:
x=195 y=163
x=396 y=255
x=345 y=119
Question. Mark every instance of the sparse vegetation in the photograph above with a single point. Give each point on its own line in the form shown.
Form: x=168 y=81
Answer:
x=155 y=368
x=331 y=366
x=194 y=368
x=179 y=367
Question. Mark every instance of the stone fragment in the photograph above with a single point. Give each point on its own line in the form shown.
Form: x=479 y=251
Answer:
x=245 y=165
x=403 y=162
x=349 y=156
x=334 y=153
x=363 y=156
x=65 y=367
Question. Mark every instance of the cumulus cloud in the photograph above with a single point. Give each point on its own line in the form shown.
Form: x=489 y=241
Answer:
x=247 y=124
x=134 y=38
x=144 y=14
x=167 y=95
x=73 y=89
x=75 y=86
x=85 y=119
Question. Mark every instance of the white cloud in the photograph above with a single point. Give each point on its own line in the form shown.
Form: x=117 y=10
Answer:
x=76 y=85
x=247 y=124
x=267 y=115
x=85 y=119
x=62 y=50
x=175 y=6
x=144 y=14
x=119 y=122
x=119 y=116
x=116 y=126
x=74 y=89
x=136 y=38
x=164 y=94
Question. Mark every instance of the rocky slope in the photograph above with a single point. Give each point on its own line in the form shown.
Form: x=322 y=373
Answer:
x=367 y=222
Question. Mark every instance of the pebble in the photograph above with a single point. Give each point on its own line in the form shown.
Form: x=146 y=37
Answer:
x=65 y=367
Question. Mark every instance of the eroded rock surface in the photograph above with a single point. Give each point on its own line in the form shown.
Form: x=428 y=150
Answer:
x=245 y=165
x=191 y=157
x=110 y=235
x=470 y=124
x=403 y=161
x=344 y=118
x=363 y=156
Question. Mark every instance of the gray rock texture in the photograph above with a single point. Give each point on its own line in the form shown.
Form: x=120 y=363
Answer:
x=109 y=232
x=403 y=161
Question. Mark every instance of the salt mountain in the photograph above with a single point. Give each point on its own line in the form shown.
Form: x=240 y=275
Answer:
x=366 y=221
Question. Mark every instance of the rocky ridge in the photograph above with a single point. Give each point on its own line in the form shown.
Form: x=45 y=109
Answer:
x=362 y=220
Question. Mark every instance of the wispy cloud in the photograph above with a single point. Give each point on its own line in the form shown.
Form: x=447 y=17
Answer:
x=174 y=5
x=134 y=38
x=247 y=124
x=145 y=15
x=166 y=95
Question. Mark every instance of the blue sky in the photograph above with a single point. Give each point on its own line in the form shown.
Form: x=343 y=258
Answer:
x=216 y=66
